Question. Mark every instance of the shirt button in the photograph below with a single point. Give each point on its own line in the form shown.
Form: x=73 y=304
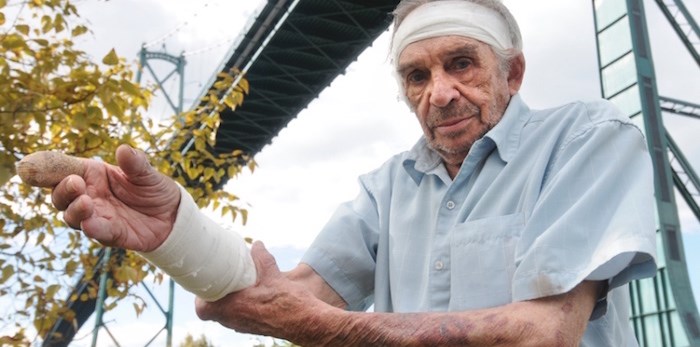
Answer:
x=439 y=265
x=451 y=205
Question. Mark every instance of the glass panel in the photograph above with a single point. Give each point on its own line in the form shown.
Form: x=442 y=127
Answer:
x=628 y=102
x=653 y=330
x=619 y=75
x=615 y=41
x=638 y=331
x=647 y=294
x=666 y=331
x=678 y=332
x=607 y=11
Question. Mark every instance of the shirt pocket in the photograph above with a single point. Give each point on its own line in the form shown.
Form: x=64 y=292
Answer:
x=483 y=261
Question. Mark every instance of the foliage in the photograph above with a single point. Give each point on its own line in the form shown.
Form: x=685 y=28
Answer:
x=200 y=342
x=275 y=343
x=52 y=96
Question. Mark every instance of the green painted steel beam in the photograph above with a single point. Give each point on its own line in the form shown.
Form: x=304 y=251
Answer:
x=664 y=312
x=666 y=204
x=679 y=107
x=684 y=25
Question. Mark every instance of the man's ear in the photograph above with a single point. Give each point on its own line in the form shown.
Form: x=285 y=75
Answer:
x=516 y=73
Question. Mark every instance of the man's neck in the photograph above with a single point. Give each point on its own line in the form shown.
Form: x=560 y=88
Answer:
x=452 y=169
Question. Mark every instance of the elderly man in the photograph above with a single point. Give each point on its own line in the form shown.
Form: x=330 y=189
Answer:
x=502 y=226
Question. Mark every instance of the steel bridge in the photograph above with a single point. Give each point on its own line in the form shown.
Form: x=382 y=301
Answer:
x=290 y=52
x=295 y=48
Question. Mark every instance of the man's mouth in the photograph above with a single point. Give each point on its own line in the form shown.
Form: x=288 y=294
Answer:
x=452 y=125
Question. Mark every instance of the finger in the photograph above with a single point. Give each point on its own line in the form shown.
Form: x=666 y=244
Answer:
x=103 y=231
x=205 y=310
x=135 y=166
x=66 y=191
x=77 y=211
x=48 y=168
x=265 y=263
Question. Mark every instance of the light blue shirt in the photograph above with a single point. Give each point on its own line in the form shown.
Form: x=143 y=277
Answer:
x=543 y=201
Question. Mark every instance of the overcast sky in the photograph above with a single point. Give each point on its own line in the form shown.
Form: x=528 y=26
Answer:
x=357 y=123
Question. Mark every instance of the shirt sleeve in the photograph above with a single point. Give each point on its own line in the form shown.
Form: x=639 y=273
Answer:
x=344 y=253
x=595 y=217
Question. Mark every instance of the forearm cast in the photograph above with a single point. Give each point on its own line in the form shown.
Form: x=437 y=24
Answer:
x=201 y=256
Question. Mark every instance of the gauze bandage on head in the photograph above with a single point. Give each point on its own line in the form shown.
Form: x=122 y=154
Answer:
x=452 y=17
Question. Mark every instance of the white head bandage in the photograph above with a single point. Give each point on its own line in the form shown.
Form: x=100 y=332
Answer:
x=451 y=17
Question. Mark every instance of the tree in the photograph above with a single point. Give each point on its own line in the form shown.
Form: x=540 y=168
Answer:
x=52 y=96
x=200 y=342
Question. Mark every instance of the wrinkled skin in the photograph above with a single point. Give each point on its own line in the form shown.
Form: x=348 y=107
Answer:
x=129 y=206
x=458 y=89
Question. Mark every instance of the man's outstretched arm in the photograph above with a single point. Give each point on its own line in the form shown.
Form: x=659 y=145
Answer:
x=301 y=310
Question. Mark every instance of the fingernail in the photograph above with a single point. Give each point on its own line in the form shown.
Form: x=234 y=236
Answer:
x=70 y=185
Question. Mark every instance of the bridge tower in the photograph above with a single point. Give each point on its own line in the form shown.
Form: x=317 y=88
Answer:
x=664 y=311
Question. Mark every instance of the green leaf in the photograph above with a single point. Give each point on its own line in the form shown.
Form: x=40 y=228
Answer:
x=111 y=58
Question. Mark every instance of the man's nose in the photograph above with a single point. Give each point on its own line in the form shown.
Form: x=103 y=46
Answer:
x=443 y=90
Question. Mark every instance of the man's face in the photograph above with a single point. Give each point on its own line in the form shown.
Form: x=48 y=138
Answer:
x=457 y=90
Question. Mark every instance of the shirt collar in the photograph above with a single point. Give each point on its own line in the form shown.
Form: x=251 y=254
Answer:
x=506 y=134
x=422 y=160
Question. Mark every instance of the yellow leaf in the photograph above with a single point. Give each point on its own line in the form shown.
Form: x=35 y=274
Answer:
x=94 y=113
x=13 y=41
x=114 y=108
x=244 y=214
x=52 y=290
x=7 y=272
x=22 y=28
x=130 y=88
x=71 y=266
x=2 y=18
x=243 y=84
x=46 y=24
x=3 y=3
x=40 y=238
x=7 y=170
x=79 y=30
x=59 y=23
x=111 y=58
x=208 y=173
x=80 y=121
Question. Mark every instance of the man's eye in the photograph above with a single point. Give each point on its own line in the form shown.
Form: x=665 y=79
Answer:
x=415 y=77
x=461 y=64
